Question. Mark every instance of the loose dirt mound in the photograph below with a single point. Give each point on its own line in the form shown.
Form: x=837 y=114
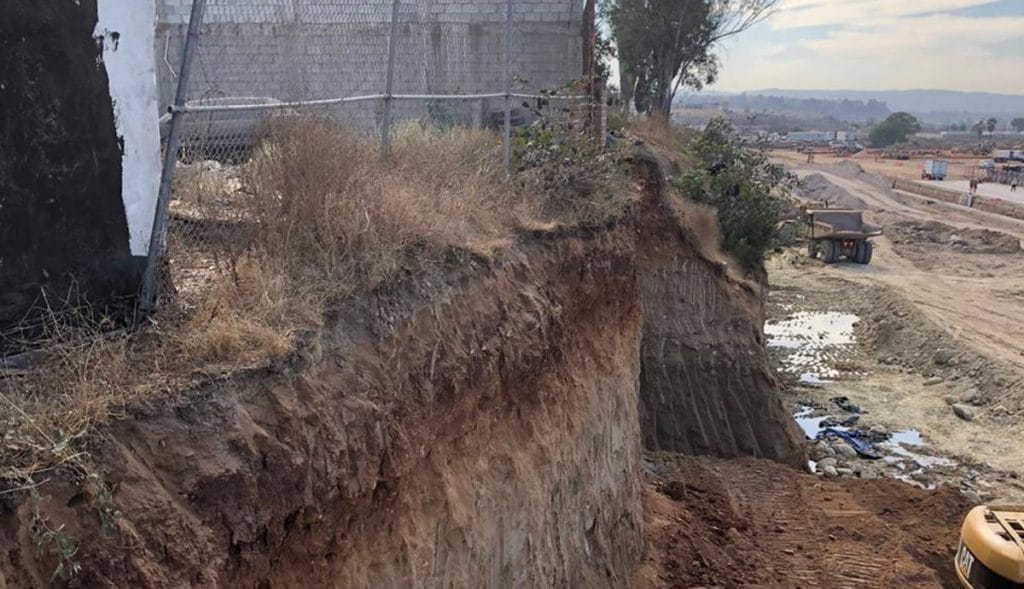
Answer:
x=968 y=241
x=817 y=188
x=748 y=522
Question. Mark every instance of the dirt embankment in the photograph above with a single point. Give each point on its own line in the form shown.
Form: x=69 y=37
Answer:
x=931 y=235
x=706 y=384
x=479 y=429
x=484 y=431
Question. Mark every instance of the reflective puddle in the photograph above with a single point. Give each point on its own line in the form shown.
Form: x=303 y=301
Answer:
x=897 y=446
x=811 y=341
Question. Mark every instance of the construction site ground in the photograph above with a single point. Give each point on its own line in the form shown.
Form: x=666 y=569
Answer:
x=940 y=322
x=960 y=168
x=935 y=321
x=750 y=523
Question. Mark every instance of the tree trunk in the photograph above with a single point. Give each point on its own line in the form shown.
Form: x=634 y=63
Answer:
x=662 y=107
x=627 y=84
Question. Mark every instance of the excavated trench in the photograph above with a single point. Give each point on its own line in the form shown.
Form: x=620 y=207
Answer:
x=487 y=431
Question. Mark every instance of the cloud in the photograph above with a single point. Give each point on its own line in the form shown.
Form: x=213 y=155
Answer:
x=897 y=39
x=871 y=44
x=796 y=14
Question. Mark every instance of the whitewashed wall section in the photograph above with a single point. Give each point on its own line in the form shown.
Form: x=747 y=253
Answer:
x=127 y=30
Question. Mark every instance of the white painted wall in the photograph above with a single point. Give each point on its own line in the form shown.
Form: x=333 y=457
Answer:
x=128 y=30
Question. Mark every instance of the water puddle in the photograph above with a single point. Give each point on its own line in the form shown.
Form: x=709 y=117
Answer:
x=809 y=424
x=812 y=340
x=897 y=447
x=909 y=437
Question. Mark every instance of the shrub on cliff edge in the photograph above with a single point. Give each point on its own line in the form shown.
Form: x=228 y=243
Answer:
x=745 y=189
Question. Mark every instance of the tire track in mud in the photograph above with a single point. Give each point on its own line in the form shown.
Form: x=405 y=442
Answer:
x=809 y=524
x=755 y=523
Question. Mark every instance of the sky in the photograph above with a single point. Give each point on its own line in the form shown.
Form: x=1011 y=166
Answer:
x=971 y=45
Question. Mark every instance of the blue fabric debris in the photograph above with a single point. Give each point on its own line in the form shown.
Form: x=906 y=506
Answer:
x=863 y=448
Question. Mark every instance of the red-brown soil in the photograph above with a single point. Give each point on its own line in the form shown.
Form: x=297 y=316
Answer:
x=751 y=523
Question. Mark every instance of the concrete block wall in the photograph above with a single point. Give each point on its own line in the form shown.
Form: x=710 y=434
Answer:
x=311 y=49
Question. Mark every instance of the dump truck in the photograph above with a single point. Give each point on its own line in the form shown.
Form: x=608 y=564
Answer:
x=935 y=170
x=838 y=234
x=991 y=553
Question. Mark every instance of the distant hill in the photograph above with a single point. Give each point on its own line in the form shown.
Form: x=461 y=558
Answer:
x=840 y=108
x=933 y=105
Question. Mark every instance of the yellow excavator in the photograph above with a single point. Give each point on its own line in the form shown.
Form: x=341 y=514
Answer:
x=991 y=554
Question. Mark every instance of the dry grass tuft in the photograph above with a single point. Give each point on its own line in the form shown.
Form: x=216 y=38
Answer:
x=325 y=202
x=259 y=251
x=669 y=143
x=700 y=224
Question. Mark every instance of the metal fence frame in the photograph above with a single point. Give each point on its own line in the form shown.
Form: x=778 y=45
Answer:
x=180 y=109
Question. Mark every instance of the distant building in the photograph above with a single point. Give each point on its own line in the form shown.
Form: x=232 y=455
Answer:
x=811 y=136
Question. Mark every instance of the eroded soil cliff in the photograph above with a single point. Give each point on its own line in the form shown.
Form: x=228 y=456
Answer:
x=480 y=428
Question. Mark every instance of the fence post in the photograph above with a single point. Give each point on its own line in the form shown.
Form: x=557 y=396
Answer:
x=385 y=138
x=508 y=85
x=158 y=235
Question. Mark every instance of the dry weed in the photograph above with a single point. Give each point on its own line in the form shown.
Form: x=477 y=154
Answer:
x=668 y=142
x=257 y=252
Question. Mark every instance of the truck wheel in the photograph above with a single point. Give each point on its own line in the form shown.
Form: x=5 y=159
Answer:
x=863 y=252
x=858 y=252
x=833 y=250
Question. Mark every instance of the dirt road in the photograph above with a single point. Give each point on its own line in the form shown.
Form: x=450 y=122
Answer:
x=937 y=322
x=753 y=523
x=979 y=299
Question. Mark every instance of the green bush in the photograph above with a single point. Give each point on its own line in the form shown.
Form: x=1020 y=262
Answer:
x=745 y=189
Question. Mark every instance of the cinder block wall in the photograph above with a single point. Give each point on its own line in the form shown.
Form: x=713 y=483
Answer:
x=294 y=50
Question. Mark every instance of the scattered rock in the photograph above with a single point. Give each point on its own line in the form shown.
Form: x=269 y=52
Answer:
x=920 y=476
x=850 y=421
x=970 y=397
x=844 y=450
x=963 y=412
x=845 y=404
x=821 y=451
x=830 y=471
x=827 y=463
x=844 y=472
x=934 y=381
x=972 y=496
x=951 y=400
x=942 y=356
x=878 y=430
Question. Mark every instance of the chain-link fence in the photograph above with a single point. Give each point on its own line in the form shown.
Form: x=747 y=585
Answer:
x=232 y=69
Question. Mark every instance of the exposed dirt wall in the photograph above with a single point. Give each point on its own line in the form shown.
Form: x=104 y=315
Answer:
x=706 y=383
x=486 y=436
x=479 y=428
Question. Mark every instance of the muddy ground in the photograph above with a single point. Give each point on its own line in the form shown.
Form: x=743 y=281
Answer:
x=751 y=523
